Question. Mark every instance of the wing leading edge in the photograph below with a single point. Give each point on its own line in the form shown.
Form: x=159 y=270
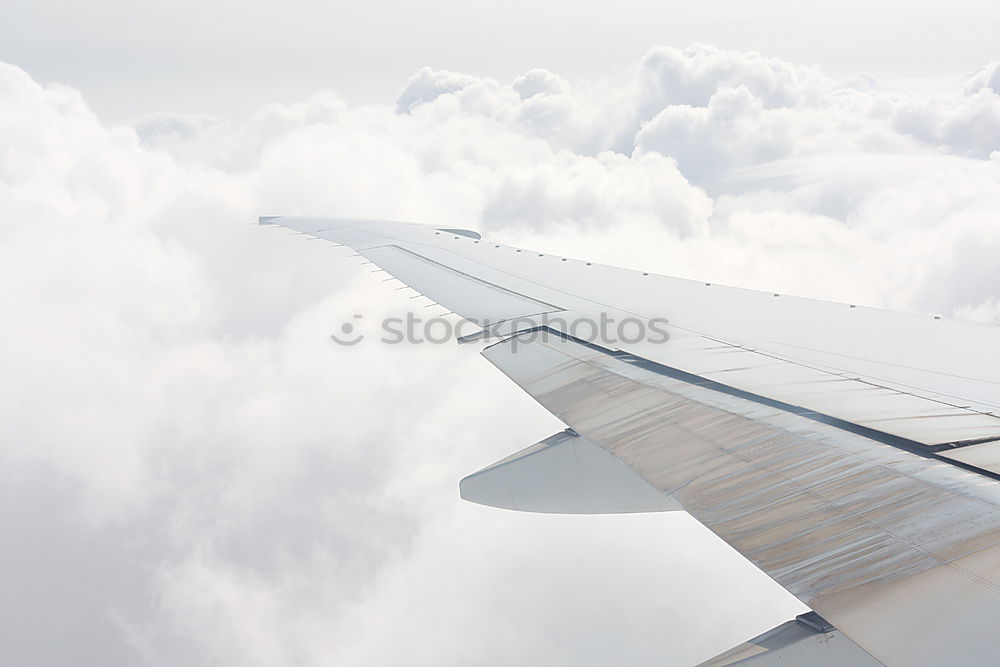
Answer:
x=929 y=380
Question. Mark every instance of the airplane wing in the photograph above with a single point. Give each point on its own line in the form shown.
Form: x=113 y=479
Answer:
x=852 y=454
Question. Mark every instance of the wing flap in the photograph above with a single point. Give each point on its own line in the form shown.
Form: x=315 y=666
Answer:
x=984 y=456
x=563 y=474
x=806 y=640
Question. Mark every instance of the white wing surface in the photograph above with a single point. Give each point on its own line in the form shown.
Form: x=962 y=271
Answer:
x=853 y=454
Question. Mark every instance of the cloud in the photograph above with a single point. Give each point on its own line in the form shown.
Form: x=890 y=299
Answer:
x=210 y=479
x=691 y=76
x=597 y=191
x=968 y=125
x=988 y=77
x=539 y=82
x=769 y=107
x=735 y=129
x=428 y=85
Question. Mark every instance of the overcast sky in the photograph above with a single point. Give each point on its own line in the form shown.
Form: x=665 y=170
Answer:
x=227 y=57
x=191 y=472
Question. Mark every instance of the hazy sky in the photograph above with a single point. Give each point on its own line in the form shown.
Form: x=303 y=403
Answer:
x=230 y=57
x=192 y=473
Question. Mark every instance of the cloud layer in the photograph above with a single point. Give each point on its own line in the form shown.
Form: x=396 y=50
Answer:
x=193 y=473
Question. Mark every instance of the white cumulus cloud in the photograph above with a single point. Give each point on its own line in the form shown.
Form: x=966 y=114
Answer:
x=193 y=473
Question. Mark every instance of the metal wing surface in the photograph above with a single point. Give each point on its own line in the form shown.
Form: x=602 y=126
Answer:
x=852 y=454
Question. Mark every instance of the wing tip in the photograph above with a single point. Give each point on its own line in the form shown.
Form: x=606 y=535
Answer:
x=268 y=219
